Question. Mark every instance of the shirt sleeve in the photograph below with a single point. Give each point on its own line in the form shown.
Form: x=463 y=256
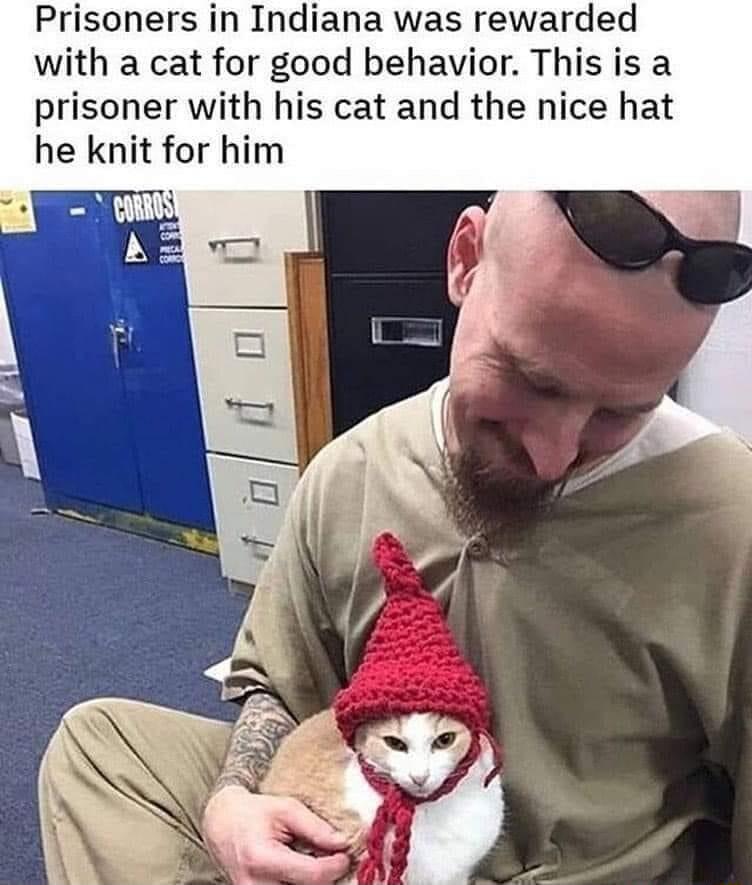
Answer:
x=287 y=643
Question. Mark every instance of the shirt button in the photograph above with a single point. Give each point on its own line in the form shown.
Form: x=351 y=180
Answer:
x=477 y=547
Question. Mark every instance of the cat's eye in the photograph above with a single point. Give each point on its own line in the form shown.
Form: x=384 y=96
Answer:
x=443 y=741
x=395 y=743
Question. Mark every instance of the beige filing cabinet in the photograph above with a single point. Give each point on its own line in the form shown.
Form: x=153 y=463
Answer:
x=234 y=244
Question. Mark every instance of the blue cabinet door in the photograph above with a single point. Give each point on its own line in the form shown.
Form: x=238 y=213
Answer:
x=144 y=249
x=58 y=292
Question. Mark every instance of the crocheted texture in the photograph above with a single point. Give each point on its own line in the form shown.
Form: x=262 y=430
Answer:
x=411 y=662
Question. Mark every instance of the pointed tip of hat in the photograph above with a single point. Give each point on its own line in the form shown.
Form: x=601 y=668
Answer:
x=399 y=573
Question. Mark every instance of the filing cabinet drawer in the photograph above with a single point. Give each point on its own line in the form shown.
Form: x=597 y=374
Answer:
x=249 y=498
x=234 y=244
x=243 y=360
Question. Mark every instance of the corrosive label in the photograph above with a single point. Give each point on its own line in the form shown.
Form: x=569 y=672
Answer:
x=144 y=206
x=150 y=217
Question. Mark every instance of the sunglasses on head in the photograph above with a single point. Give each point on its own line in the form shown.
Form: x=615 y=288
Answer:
x=626 y=232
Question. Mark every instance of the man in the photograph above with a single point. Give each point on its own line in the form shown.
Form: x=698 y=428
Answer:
x=589 y=541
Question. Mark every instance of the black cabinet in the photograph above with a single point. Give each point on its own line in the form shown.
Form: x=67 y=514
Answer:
x=390 y=320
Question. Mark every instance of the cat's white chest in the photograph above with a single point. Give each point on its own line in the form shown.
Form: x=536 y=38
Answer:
x=449 y=836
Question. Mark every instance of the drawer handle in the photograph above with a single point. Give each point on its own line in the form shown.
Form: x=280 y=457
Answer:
x=256 y=542
x=224 y=242
x=234 y=403
x=409 y=331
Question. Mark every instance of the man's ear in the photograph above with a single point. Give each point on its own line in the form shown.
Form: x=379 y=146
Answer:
x=464 y=252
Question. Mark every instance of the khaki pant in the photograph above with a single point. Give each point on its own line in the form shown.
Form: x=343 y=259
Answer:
x=121 y=789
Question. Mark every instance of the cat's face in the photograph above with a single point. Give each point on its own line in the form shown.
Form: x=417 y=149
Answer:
x=417 y=752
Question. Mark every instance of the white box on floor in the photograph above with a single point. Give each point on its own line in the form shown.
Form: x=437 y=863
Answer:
x=25 y=443
x=8 y=447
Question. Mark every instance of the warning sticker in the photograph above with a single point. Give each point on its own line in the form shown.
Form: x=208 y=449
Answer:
x=138 y=206
x=134 y=250
x=153 y=231
x=17 y=213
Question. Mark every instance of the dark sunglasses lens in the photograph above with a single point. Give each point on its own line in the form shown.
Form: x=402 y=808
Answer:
x=715 y=274
x=617 y=227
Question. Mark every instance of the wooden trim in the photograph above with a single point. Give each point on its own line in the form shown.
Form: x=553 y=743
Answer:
x=309 y=351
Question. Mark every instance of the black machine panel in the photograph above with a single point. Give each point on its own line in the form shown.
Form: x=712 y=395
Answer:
x=392 y=341
x=390 y=320
x=369 y=232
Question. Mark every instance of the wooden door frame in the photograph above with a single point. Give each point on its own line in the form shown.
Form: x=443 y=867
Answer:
x=309 y=351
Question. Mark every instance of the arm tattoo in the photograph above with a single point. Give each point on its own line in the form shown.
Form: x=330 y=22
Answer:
x=262 y=724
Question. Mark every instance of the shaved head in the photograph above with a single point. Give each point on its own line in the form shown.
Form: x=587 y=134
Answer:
x=701 y=214
x=710 y=215
x=529 y=232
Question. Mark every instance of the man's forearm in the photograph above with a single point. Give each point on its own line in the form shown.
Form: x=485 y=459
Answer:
x=262 y=724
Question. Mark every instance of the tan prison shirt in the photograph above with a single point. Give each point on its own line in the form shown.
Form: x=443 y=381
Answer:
x=615 y=640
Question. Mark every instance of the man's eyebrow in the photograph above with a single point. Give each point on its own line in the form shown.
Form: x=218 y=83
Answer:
x=535 y=373
x=542 y=379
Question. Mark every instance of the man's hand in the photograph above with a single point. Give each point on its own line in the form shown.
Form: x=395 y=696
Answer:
x=248 y=835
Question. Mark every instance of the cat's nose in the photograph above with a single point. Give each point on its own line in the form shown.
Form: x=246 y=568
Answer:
x=419 y=779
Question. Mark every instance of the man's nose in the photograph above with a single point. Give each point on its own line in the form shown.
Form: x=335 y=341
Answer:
x=553 y=441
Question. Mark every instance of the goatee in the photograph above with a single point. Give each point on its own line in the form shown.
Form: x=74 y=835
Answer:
x=493 y=502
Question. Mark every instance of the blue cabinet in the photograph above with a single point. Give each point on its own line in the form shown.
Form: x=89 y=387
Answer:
x=98 y=306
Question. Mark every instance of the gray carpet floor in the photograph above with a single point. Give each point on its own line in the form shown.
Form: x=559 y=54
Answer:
x=85 y=612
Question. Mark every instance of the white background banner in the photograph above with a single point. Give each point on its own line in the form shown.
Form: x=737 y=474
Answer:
x=325 y=94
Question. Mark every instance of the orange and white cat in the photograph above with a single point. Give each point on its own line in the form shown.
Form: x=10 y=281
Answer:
x=450 y=835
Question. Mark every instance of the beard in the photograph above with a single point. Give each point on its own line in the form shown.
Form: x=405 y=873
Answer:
x=493 y=501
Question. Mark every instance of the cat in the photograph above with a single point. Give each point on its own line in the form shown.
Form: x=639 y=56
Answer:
x=449 y=835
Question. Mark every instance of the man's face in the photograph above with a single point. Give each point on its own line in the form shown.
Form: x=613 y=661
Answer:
x=557 y=361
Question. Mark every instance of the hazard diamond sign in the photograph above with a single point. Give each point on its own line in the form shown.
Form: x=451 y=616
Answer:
x=134 y=250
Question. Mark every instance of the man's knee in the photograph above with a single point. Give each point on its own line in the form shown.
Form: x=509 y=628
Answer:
x=98 y=715
x=83 y=728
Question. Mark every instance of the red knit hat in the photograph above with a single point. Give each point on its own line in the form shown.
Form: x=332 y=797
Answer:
x=411 y=662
